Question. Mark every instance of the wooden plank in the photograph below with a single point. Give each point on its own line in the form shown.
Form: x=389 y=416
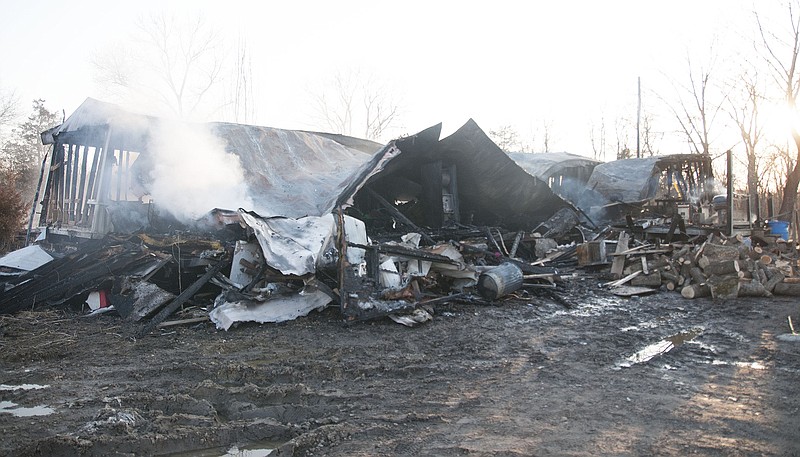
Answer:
x=618 y=264
x=400 y=216
x=629 y=291
x=192 y=320
x=91 y=191
x=622 y=281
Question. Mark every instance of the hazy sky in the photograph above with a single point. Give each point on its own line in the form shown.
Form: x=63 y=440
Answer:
x=518 y=63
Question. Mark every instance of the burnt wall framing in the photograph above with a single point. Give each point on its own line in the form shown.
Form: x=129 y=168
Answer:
x=88 y=169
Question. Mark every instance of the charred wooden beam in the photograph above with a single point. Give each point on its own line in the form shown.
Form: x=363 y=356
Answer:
x=182 y=298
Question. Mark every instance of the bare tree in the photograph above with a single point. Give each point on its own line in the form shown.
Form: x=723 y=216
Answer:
x=171 y=63
x=780 y=54
x=506 y=138
x=622 y=129
x=242 y=106
x=745 y=114
x=547 y=135
x=648 y=136
x=9 y=103
x=597 y=136
x=352 y=99
x=696 y=116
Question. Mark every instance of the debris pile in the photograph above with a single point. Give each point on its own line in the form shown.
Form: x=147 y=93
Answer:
x=717 y=266
x=320 y=219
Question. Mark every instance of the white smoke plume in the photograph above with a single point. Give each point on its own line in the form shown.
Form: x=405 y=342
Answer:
x=192 y=173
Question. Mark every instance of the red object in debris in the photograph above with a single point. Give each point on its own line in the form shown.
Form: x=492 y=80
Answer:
x=103 y=298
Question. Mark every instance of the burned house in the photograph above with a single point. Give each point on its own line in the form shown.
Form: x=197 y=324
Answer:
x=292 y=220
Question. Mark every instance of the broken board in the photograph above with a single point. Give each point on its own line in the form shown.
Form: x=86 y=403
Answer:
x=629 y=291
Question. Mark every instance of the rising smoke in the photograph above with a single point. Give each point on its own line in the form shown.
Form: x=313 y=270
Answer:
x=192 y=173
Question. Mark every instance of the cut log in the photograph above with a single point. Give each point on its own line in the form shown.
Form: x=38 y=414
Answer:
x=744 y=251
x=717 y=253
x=724 y=287
x=765 y=259
x=686 y=271
x=699 y=251
x=784 y=266
x=651 y=280
x=650 y=266
x=703 y=262
x=697 y=275
x=681 y=253
x=696 y=291
x=776 y=279
x=752 y=289
x=670 y=285
x=669 y=276
x=786 y=288
x=622 y=281
x=722 y=268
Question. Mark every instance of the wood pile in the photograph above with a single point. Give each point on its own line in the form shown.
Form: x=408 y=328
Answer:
x=719 y=267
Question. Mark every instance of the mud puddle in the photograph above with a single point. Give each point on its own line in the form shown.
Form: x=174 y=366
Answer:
x=260 y=449
x=654 y=350
x=8 y=407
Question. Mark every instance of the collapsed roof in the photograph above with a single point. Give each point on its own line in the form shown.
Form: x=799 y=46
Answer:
x=547 y=165
x=284 y=172
x=636 y=180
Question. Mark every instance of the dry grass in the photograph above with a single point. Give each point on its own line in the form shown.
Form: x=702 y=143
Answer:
x=35 y=335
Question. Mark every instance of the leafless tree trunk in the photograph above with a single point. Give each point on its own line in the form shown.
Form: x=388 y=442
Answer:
x=745 y=114
x=547 y=135
x=506 y=138
x=597 y=136
x=621 y=126
x=697 y=115
x=784 y=72
x=171 y=63
x=339 y=110
x=243 y=107
x=648 y=136
x=9 y=104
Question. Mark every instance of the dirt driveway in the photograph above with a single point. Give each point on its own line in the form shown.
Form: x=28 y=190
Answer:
x=525 y=377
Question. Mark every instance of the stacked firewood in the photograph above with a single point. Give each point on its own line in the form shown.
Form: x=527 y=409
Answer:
x=719 y=268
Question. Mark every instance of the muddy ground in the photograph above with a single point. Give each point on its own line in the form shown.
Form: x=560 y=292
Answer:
x=526 y=376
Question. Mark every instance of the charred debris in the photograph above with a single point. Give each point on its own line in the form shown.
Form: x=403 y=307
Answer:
x=375 y=230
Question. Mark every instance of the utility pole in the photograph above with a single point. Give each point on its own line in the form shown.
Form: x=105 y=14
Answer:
x=638 y=115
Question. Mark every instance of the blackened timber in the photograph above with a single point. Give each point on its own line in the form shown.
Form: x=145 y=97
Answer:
x=62 y=279
x=182 y=298
x=66 y=206
x=90 y=192
x=36 y=199
x=431 y=174
x=406 y=252
x=400 y=216
x=525 y=267
x=73 y=191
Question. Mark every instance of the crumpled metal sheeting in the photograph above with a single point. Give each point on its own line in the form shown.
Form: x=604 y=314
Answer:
x=26 y=259
x=292 y=246
x=546 y=164
x=291 y=173
x=628 y=180
x=277 y=309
